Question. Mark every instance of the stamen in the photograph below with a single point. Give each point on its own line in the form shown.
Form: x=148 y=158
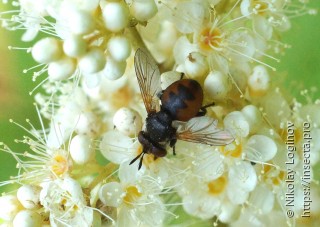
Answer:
x=230 y=11
x=32 y=68
x=251 y=58
x=39 y=85
x=27 y=49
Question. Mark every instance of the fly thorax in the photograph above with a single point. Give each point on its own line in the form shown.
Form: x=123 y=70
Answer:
x=159 y=127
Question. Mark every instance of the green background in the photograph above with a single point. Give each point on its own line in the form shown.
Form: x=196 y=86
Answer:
x=299 y=69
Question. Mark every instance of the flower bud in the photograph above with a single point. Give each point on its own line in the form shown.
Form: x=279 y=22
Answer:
x=61 y=69
x=119 y=48
x=260 y=148
x=87 y=123
x=263 y=27
x=29 y=196
x=9 y=207
x=217 y=85
x=253 y=116
x=27 y=218
x=127 y=121
x=167 y=78
x=258 y=81
x=111 y=194
x=88 y=5
x=74 y=46
x=80 y=22
x=114 y=69
x=237 y=124
x=143 y=10
x=115 y=16
x=93 y=61
x=46 y=50
x=110 y=149
x=196 y=65
x=80 y=149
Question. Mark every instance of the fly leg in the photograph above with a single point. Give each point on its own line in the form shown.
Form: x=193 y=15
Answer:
x=203 y=110
x=173 y=145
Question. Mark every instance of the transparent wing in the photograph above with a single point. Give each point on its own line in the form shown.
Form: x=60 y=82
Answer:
x=148 y=75
x=202 y=130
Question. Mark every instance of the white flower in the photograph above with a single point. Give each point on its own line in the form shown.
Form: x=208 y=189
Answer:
x=205 y=199
x=135 y=197
x=74 y=115
x=65 y=201
x=213 y=181
x=236 y=46
x=268 y=16
x=186 y=15
x=42 y=162
x=31 y=16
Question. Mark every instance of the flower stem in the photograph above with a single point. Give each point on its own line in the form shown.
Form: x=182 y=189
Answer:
x=104 y=173
x=134 y=36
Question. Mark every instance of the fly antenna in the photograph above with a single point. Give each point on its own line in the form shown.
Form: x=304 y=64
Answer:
x=136 y=158
x=140 y=163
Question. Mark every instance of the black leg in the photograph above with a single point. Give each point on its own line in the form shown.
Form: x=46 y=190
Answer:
x=173 y=145
x=181 y=76
x=203 y=110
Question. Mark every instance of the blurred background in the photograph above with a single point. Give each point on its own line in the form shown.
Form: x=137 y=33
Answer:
x=299 y=69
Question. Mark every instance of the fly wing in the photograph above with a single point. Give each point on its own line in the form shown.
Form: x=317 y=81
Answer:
x=148 y=75
x=202 y=130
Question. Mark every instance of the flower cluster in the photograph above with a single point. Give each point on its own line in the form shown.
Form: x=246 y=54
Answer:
x=77 y=172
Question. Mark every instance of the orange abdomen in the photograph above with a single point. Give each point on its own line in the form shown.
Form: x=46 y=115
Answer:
x=182 y=99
